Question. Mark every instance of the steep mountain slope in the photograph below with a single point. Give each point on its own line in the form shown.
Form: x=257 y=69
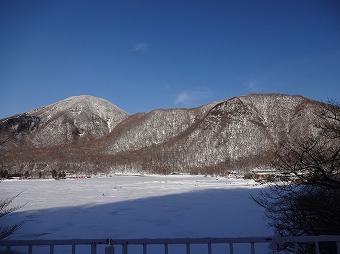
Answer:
x=89 y=134
x=241 y=132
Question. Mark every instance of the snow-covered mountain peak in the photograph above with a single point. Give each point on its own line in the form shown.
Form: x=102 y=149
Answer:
x=77 y=118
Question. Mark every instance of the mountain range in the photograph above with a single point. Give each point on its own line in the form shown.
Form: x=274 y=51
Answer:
x=90 y=135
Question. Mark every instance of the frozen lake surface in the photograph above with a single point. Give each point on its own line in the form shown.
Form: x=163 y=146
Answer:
x=136 y=207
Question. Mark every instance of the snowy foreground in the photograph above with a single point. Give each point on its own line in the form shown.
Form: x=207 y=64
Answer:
x=136 y=207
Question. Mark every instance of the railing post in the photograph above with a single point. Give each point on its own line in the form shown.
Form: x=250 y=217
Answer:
x=231 y=248
x=93 y=248
x=317 y=249
x=295 y=247
x=338 y=247
x=144 y=248
x=51 y=249
x=29 y=249
x=109 y=250
x=166 y=248
x=188 y=247
x=125 y=248
x=209 y=248
x=274 y=246
x=252 y=248
x=73 y=248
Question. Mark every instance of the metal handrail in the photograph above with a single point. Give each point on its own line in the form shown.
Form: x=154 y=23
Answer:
x=230 y=241
x=110 y=244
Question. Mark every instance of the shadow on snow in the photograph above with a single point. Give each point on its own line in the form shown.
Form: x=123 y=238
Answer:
x=205 y=213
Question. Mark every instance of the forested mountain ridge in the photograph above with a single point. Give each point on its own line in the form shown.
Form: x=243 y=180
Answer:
x=89 y=134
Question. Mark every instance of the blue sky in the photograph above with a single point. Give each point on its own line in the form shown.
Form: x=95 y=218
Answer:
x=143 y=55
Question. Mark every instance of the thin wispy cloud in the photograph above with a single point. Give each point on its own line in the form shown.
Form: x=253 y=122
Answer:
x=182 y=98
x=190 y=98
x=140 y=47
x=252 y=85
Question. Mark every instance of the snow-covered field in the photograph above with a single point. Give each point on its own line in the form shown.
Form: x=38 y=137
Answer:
x=136 y=207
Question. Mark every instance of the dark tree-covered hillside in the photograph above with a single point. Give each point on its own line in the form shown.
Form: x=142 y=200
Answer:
x=308 y=202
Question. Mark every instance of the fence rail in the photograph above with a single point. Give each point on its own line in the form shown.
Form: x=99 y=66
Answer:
x=115 y=246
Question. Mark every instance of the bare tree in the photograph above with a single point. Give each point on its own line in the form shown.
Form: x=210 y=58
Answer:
x=308 y=201
x=5 y=209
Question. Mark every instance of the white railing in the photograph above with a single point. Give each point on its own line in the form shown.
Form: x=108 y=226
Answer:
x=32 y=246
x=252 y=245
